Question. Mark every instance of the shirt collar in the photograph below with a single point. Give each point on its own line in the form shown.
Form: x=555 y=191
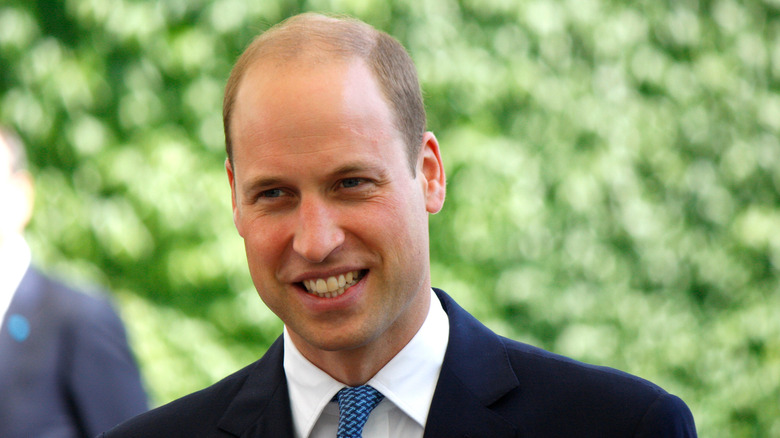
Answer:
x=408 y=380
x=14 y=262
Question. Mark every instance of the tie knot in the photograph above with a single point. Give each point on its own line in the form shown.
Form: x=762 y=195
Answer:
x=355 y=403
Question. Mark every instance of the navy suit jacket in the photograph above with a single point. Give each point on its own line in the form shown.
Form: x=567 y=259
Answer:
x=489 y=387
x=65 y=366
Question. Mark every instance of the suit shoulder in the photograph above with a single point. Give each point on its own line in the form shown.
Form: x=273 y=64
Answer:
x=598 y=394
x=546 y=394
x=88 y=301
x=65 y=309
x=555 y=366
x=86 y=313
x=198 y=412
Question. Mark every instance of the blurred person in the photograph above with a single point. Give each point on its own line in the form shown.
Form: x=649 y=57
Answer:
x=333 y=177
x=66 y=369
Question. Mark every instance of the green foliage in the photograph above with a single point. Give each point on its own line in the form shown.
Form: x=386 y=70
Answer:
x=613 y=166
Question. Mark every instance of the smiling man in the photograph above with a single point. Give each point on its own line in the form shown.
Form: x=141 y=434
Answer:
x=333 y=217
x=333 y=177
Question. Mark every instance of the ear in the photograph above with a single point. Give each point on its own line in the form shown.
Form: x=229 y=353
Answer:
x=232 y=180
x=431 y=170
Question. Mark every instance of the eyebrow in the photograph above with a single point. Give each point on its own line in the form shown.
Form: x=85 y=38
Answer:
x=261 y=183
x=359 y=167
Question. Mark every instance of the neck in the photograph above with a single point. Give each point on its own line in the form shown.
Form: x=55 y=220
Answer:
x=356 y=366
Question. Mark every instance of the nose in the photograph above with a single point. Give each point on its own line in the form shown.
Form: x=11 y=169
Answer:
x=318 y=232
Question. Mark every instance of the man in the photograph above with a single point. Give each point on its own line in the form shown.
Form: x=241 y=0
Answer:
x=333 y=178
x=65 y=366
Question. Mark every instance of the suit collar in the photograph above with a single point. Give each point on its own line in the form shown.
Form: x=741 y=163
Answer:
x=29 y=302
x=29 y=294
x=262 y=406
x=476 y=373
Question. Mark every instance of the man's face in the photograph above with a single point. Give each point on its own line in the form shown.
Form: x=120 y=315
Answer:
x=334 y=223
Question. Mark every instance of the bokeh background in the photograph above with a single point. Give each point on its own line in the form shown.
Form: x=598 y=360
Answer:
x=614 y=178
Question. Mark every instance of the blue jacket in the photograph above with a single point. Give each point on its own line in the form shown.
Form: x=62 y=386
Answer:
x=489 y=387
x=65 y=366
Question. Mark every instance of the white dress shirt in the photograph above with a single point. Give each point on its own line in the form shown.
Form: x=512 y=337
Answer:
x=14 y=262
x=407 y=382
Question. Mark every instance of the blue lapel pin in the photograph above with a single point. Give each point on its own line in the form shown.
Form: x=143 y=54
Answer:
x=18 y=327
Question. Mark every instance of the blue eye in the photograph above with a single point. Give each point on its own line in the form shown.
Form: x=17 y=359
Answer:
x=273 y=193
x=351 y=182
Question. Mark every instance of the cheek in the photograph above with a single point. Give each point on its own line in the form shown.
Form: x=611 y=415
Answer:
x=263 y=261
x=263 y=243
x=399 y=227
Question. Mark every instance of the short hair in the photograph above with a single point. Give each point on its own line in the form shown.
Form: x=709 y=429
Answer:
x=343 y=38
x=15 y=148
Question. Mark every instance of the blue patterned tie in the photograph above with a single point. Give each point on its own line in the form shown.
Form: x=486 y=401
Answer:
x=355 y=403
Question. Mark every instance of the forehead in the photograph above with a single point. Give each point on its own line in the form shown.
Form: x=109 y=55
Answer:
x=296 y=104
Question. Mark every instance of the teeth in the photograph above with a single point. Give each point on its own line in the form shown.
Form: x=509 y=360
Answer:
x=332 y=287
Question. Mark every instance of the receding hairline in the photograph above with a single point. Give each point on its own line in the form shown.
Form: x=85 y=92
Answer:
x=308 y=36
x=318 y=38
x=311 y=32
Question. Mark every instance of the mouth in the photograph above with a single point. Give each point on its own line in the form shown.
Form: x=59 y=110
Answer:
x=331 y=287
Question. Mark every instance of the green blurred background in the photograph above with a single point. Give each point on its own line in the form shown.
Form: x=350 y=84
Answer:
x=614 y=178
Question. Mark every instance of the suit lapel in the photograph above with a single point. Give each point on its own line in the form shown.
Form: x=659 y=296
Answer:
x=28 y=346
x=27 y=300
x=27 y=330
x=475 y=374
x=262 y=406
